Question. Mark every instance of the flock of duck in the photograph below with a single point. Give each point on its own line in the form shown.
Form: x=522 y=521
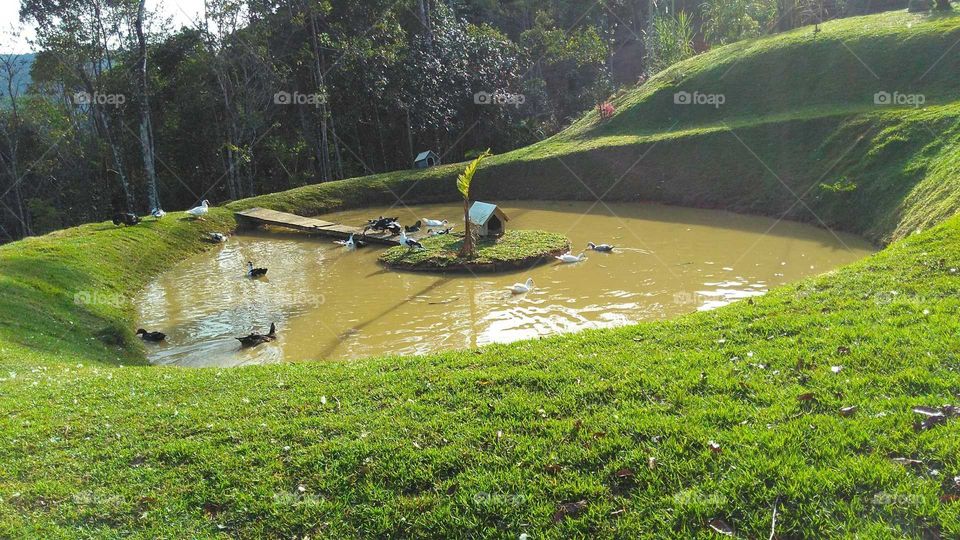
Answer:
x=435 y=227
x=566 y=258
x=129 y=219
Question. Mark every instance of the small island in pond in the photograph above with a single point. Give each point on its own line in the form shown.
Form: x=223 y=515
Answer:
x=515 y=250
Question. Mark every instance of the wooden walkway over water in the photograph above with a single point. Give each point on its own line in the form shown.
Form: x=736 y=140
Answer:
x=264 y=216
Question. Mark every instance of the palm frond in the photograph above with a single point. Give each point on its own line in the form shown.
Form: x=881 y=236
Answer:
x=466 y=177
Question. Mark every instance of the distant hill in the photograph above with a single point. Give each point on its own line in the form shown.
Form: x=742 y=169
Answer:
x=24 y=61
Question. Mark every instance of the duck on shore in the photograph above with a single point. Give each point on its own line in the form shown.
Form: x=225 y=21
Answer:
x=199 y=211
x=410 y=243
x=435 y=222
x=125 y=218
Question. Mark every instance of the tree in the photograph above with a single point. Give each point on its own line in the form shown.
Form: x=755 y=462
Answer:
x=463 y=185
x=146 y=128
x=12 y=69
x=81 y=35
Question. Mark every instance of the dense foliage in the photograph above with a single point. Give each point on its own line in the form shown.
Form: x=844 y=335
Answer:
x=124 y=113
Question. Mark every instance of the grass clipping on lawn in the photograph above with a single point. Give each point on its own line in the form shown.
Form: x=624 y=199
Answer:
x=514 y=249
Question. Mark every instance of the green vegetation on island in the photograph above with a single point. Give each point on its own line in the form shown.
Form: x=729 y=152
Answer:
x=515 y=250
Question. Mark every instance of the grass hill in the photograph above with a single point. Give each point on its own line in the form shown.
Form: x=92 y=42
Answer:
x=663 y=429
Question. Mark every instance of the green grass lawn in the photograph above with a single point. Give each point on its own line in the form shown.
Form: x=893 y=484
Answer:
x=652 y=430
x=515 y=249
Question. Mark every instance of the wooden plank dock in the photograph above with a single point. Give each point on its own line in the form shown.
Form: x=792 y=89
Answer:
x=273 y=218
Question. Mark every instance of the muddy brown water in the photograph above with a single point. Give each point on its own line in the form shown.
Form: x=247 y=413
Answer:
x=332 y=303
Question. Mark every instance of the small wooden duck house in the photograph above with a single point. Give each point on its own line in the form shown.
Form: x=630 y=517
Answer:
x=425 y=159
x=488 y=218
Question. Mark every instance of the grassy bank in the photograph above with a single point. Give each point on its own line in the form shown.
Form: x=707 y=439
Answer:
x=649 y=430
x=515 y=250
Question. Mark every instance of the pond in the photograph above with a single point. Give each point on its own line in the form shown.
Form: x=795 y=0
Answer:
x=333 y=303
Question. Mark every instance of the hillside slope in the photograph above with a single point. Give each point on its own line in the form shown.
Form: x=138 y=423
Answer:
x=653 y=430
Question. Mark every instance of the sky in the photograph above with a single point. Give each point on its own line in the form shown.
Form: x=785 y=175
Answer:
x=181 y=12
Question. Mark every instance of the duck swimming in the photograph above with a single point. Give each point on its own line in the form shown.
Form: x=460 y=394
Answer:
x=254 y=339
x=603 y=248
x=126 y=218
x=255 y=272
x=350 y=243
x=155 y=337
x=568 y=257
x=520 y=288
x=216 y=238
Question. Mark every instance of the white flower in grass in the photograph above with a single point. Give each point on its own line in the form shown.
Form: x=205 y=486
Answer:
x=323 y=400
x=836 y=369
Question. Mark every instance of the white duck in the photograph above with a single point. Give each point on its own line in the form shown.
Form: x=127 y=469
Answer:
x=434 y=222
x=520 y=288
x=570 y=258
x=200 y=211
x=158 y=213
x=350 y=243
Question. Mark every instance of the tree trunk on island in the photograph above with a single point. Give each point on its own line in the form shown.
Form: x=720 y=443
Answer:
x=467 y=249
